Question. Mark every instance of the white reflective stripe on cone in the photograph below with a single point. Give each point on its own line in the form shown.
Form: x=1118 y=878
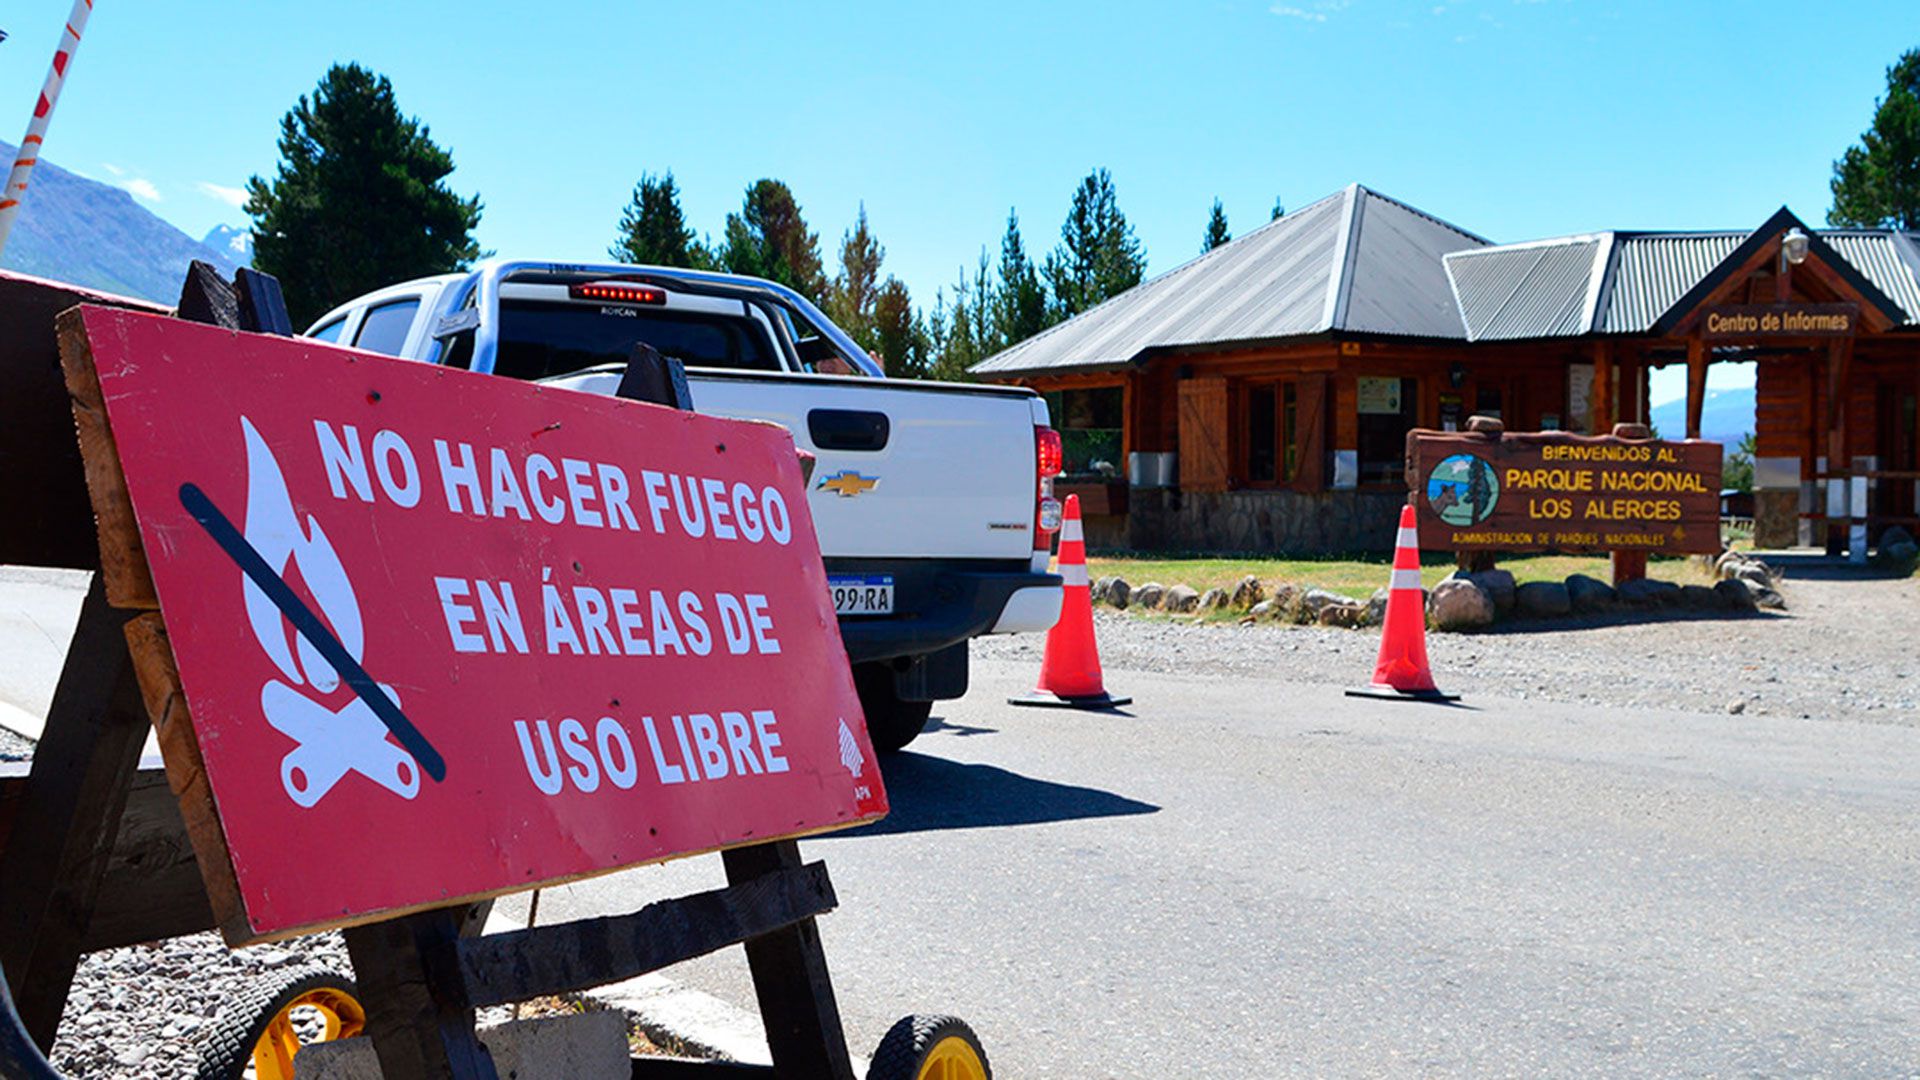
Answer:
x=1406 y=579
x=1070 y=531
x=1408 y=538
x=1075 y=574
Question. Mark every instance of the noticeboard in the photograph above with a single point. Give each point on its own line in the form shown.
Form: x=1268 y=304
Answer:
x=1556 y=491
x=444 y=635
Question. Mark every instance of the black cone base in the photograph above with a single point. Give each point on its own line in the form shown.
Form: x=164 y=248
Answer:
x=1388 y=693
x=1043 y=699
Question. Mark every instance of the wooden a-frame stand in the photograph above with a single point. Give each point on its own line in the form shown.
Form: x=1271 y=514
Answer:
x=94 y=854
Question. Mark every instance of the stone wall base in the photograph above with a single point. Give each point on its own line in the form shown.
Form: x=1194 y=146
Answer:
x=1776 y=519
x=1287 y=522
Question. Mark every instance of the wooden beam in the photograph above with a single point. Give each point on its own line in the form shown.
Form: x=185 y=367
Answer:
x=408 y=971
x=123 y=561
x=530 y=963
x=1600 y=399
x=1697 y=357
x=64 y=831
x=790 y=980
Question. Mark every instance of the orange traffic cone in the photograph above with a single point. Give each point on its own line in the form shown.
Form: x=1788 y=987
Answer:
x=1402 y=673
x=1070 y=671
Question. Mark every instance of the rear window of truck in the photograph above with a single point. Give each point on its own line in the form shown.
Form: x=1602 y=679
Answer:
x=540 y=340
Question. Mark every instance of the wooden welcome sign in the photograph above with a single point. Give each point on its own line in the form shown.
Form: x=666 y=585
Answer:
x=440 y=636
x=1556 y=491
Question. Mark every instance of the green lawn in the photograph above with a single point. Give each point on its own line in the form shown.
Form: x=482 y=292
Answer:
x=1356 y=577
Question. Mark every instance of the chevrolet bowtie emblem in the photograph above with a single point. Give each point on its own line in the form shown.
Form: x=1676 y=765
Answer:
x=846 y=483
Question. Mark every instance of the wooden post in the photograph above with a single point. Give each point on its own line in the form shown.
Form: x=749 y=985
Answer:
x=408 y=971
x=1839 y=461
x=1697 y=357
x=1629 y=566
x=790 y=980
x=63 y=834
x=1600 y=401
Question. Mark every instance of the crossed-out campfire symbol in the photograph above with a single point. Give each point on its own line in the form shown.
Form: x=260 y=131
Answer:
x=319 y=655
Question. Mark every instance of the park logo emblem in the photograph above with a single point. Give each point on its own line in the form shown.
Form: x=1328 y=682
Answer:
x=1462 y=490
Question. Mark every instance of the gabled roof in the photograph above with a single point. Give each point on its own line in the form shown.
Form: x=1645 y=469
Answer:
x=1355 y=261
x=1636 y=282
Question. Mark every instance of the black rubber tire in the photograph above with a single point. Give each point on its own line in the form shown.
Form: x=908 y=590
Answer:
x=891 y=722
x=227 y=1047
x=903 y=1050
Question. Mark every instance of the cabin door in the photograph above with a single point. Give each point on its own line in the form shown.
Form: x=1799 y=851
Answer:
x=1894 y=497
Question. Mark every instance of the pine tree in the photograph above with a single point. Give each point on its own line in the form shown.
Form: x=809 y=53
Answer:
x=1876 y=184
x=902 y=341
x=768 y=238
x=854 y=292
x=359 y=200
x=1279 y=211
x=653 y=229
x=1098 y=256
x=1217 y=233
x=1020 y=308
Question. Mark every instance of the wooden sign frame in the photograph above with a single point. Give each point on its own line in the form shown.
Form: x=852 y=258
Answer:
x=421 y=975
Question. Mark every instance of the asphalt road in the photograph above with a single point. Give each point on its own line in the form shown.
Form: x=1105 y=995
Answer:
x=1255 y=876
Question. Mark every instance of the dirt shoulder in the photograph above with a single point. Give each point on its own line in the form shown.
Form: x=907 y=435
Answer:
x=1844 y=650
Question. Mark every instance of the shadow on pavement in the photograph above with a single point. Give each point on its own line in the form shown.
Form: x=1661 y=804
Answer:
x=930 y=793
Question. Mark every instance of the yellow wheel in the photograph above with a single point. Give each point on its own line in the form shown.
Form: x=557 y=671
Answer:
x=257 y=1034
x=930 y=1048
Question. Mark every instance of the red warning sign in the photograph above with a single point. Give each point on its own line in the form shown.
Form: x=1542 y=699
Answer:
x=444 y=635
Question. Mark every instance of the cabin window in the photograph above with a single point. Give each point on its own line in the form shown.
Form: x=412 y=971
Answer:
x=1271 y=433
x=1090 y=423
x=1389 y=408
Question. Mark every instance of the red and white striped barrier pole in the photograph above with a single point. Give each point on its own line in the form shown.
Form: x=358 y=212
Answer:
x=29 y=152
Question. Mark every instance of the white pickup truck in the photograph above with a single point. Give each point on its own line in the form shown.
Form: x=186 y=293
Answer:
x=933 y=501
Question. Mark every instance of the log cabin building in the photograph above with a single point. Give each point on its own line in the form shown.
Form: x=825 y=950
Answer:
x=1258 y=398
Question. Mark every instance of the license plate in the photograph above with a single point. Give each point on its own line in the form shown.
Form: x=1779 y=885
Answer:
x=869 y=594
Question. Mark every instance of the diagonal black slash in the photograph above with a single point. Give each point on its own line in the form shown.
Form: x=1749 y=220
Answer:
x=310 y=627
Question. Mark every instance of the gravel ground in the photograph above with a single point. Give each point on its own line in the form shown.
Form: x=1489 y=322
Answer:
x=1844 y=650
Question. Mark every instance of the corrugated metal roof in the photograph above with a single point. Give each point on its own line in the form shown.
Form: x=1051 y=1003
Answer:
x=1652 y=270
x=1354 y=260
x=1543 y=289
x=1888 y=259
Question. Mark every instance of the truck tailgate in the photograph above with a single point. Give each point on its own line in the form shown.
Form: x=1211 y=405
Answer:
x=926 y=470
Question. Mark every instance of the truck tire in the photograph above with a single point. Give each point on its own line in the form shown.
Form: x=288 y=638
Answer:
x=892 y=722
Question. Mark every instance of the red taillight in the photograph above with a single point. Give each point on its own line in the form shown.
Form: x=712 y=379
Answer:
x=1047 y=452
x=622 y=294
x=1048 y=459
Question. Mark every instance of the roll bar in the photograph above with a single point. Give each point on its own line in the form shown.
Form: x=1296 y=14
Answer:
x=487 y=278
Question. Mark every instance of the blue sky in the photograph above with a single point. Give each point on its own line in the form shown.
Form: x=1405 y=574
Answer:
x=1511 y=118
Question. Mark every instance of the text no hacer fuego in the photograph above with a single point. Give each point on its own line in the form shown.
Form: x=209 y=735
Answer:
x=485 y=616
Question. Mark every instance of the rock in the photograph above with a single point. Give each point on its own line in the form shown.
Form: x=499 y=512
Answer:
x=1150 y=596
x=1286 y=602
x=1499 y=587
x=1345 y=616
x=1377 y=606
x=1755 y=573
x=1459 y=604
x=1098 y=594
x=1736 y=595
x=1698 y=597
x=1119 y=593
x=1648 y=592
x=1542 y=599
x=1213 y=600
x=1895 y=535
x=1590 y=594
x=1180 y=599
x=1898 y=549
x=1264 y=611
x=1248 y=592
x=1317 y=600
x=1727 y=563
x=1770 y=599
x=1736 y=706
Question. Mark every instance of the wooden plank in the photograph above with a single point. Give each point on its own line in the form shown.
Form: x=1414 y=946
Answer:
x=408 y=971
x=790 y=980
x=524 y=964
x=1696 y=384
x=123 y=560
x=64 y=831
x=152 y=889
x=166 y=709
x=207 y=298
